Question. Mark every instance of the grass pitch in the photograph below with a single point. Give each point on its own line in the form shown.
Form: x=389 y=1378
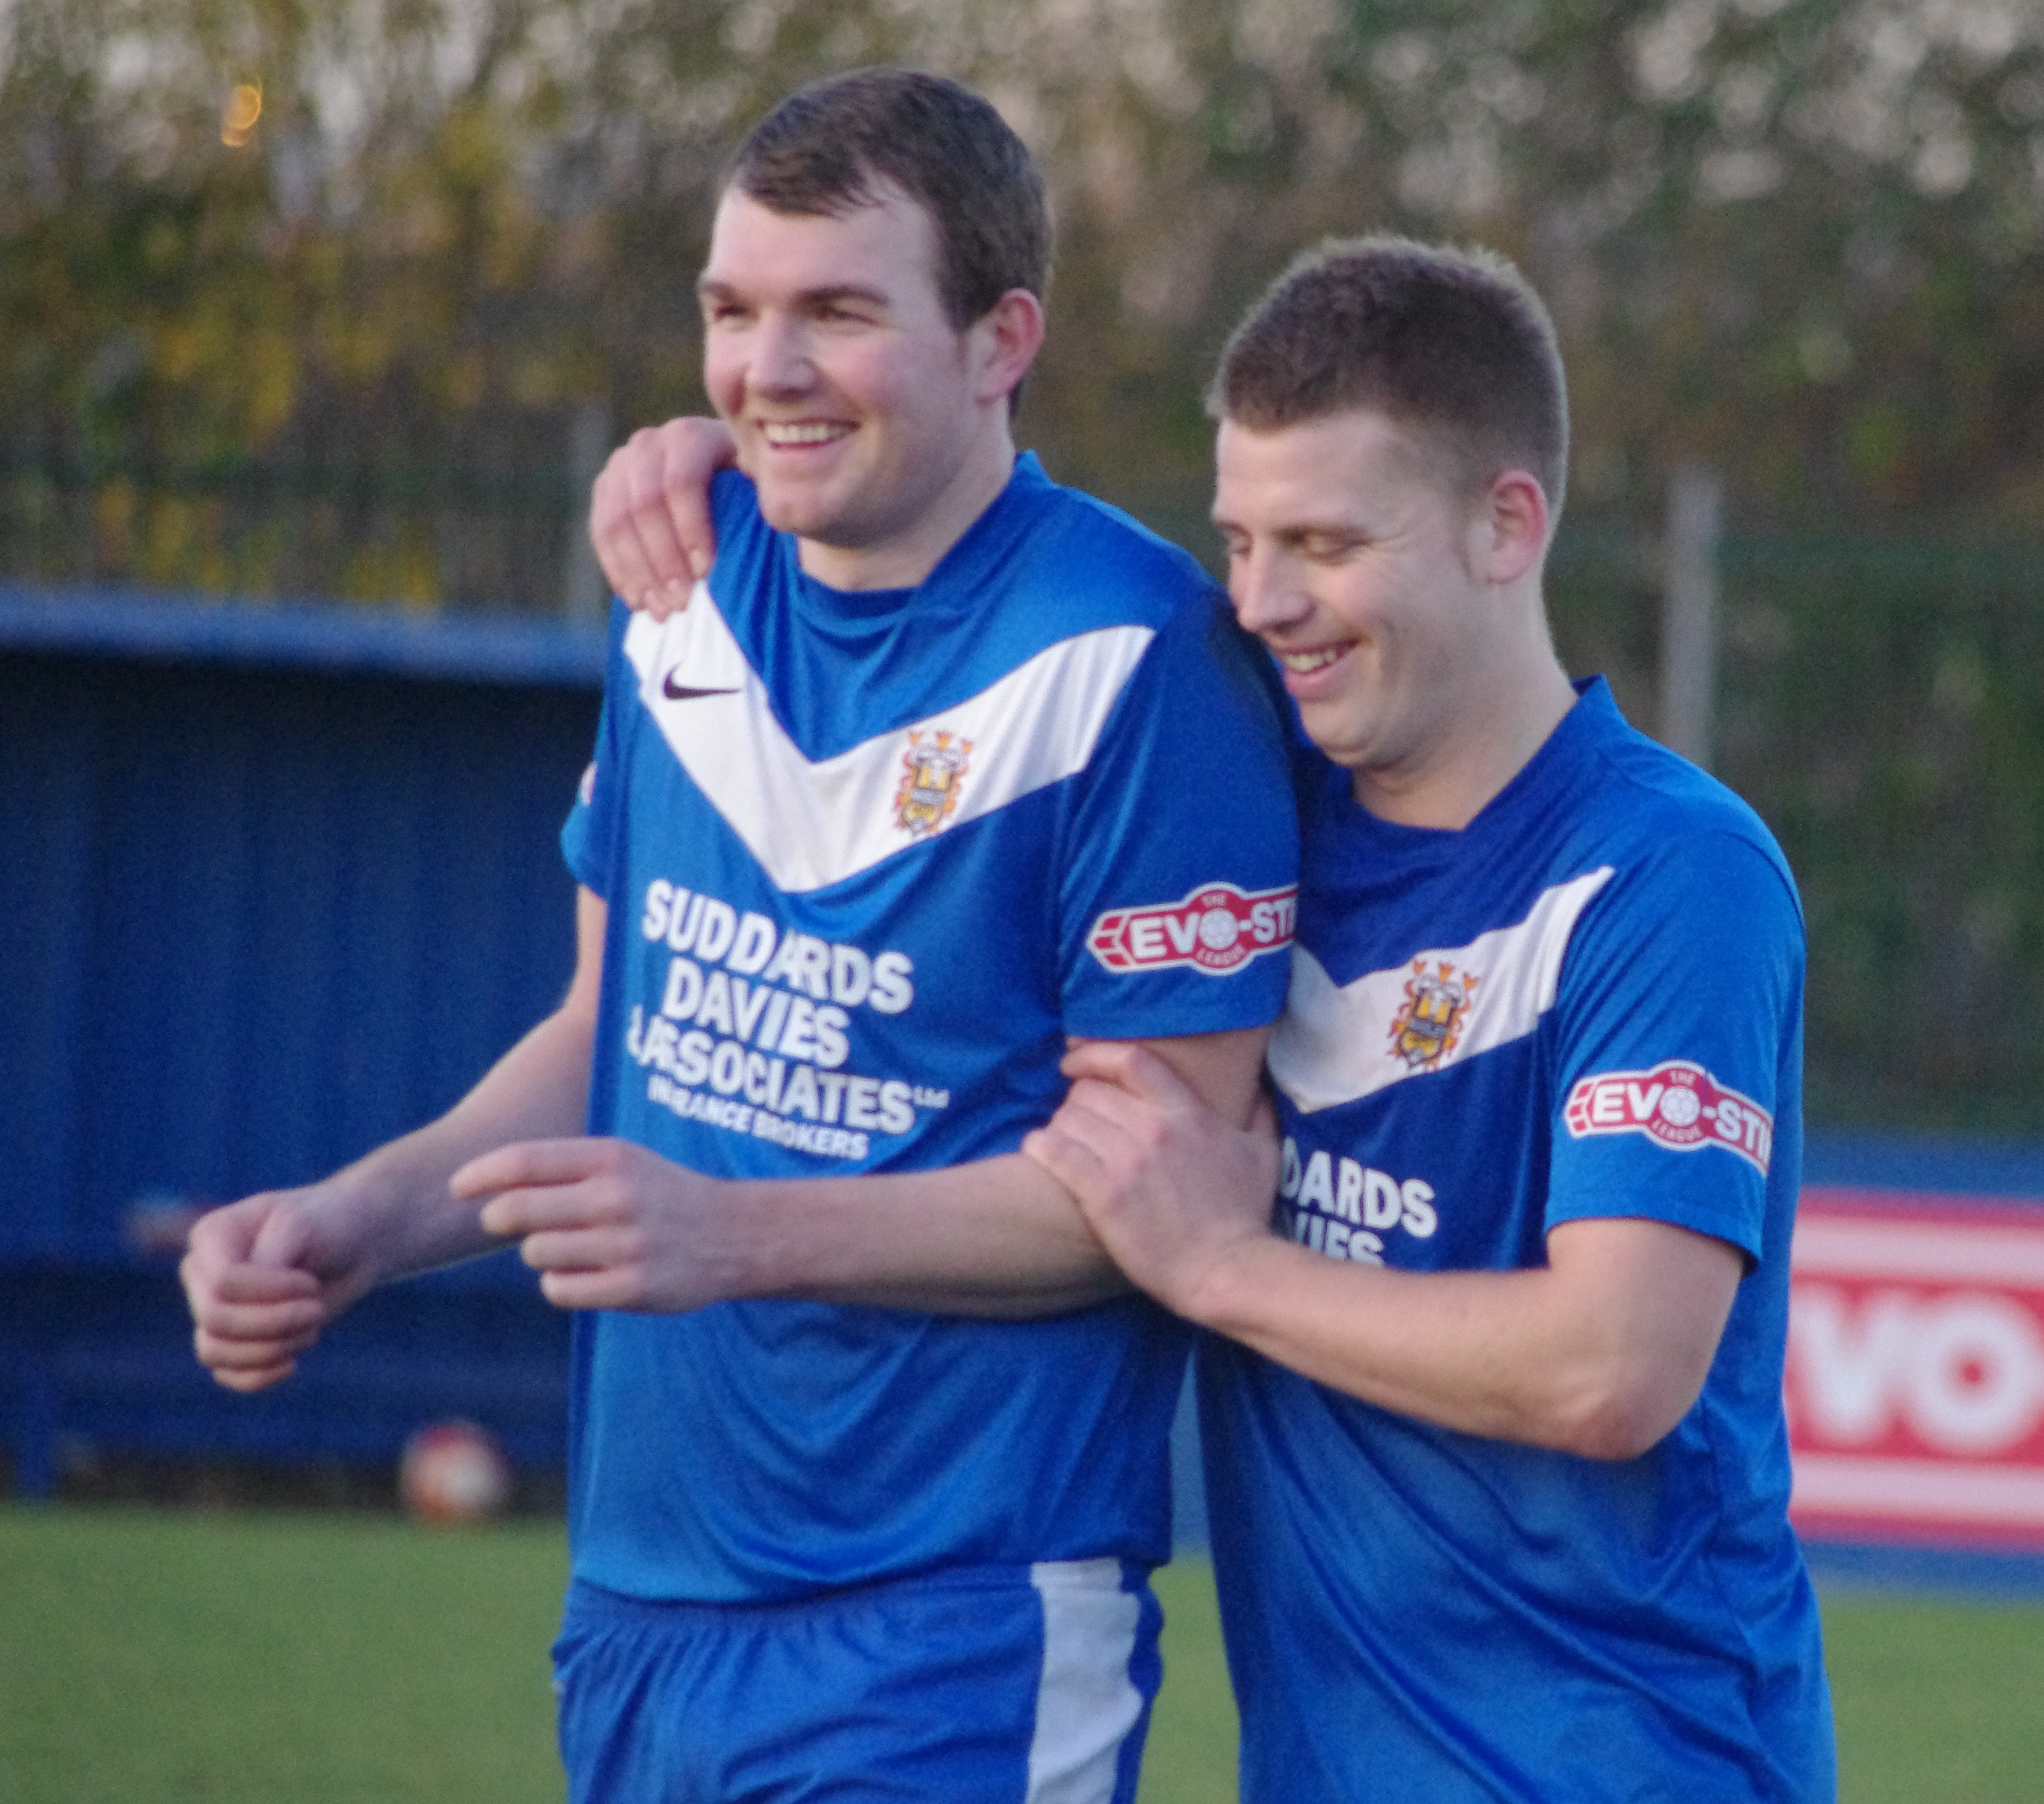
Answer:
x=288 y=1659
x=204 y=1657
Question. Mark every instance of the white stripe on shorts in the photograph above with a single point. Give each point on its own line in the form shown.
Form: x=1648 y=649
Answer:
x=1086 y=1703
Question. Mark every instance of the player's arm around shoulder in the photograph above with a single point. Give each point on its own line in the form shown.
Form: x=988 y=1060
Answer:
x=650 y=518
x=264 y=1277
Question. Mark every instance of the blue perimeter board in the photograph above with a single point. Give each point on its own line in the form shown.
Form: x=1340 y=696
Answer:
x=282 y=882
x=319 y=635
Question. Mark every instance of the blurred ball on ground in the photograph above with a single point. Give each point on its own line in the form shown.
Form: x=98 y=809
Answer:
x=454 y=1472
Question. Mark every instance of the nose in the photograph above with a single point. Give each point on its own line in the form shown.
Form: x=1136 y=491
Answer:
x=1262 y=582
x=779 y=363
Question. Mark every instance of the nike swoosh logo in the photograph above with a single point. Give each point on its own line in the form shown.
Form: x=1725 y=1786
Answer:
x=681 y=692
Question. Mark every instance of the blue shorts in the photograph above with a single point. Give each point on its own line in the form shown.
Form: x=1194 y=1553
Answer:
x=977 y=1685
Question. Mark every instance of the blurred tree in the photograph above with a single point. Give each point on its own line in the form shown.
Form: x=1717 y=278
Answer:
x=1802 y=238
x=1805 y=238
x=343 y=271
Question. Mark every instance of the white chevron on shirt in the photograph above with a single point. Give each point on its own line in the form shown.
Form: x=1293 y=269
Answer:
x=812 y=823
x=1333 y=1043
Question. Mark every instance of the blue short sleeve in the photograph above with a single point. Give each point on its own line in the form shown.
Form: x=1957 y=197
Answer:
x=1680 y=1007
x=589 y=836
x=1181 y=861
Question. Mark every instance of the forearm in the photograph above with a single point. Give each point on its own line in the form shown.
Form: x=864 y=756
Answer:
x=1495 y=1353
x=266 y=1276
x=1599 y=1353
x=399 y=1192
x=999 y=1238
x=609 y=1224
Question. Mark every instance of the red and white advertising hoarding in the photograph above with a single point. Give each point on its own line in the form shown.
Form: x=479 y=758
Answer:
x=1915 y=1374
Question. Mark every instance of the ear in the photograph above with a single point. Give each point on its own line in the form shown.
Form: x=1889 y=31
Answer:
x=1004 y=340
x=1512 y=522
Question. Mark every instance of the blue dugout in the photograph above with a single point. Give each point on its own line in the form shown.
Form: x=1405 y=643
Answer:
x=278 y=883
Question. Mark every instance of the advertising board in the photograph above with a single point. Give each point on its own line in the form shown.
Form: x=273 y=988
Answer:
x=1915 y=1370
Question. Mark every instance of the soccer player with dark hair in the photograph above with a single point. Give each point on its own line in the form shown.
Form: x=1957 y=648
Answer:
x=1491 y=1386
x=944 y=771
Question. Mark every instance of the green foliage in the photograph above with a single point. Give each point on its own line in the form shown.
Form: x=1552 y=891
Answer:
x=1881 y=711
x=1877 y=704
x=1802 y=238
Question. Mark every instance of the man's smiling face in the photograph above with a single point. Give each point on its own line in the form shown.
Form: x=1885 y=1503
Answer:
x=1353 y=557
x=851 y=395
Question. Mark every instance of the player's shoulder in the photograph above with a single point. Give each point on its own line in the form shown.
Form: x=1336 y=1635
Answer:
x=1104 y=568
x=1686 y=833
x=731 y=495
x=1098 y=560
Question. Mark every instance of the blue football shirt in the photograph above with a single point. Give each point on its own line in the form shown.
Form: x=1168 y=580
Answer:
x=869 y=858
x=1587 y=1004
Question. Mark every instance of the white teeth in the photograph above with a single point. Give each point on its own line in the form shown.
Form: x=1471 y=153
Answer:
x=803 y=434
x=1303 y=661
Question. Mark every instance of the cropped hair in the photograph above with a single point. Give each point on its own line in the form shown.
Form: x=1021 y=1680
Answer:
x=1452 y=345
x=829 y=146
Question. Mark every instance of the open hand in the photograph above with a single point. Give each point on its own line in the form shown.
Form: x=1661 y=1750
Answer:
x=649 y=514
x=608 y=1225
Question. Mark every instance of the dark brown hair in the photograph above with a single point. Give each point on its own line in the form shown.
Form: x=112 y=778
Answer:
x=826 y=148
x=1453 y=345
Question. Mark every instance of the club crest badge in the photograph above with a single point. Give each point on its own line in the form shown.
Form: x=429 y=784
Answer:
x=933 y=774
x=1427 y=1026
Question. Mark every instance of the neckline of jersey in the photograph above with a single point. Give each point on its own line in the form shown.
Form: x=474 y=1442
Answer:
x=956 y=581
x=1592 y=717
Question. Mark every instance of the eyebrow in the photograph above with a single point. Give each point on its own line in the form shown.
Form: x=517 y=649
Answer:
x=1297 y=535
x=710 y=288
